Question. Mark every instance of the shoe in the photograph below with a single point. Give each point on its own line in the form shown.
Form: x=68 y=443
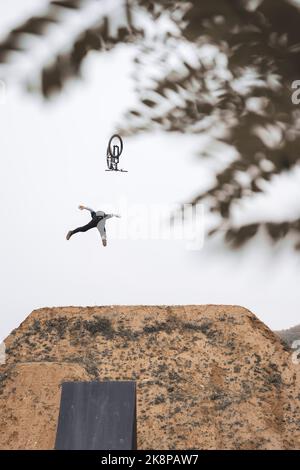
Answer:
x=69 y=234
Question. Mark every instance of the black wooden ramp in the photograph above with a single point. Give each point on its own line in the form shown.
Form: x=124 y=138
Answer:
x=97 y=416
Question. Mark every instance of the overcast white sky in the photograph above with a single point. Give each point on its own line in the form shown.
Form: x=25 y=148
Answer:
x=53 y=158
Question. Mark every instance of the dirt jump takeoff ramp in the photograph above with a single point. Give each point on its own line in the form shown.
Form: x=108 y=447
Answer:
x=207 y=376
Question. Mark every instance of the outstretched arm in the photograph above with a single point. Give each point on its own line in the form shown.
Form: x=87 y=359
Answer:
x=81 y=207
x=108 y=216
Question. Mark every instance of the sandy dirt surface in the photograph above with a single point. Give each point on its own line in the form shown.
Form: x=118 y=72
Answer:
x=208 y=377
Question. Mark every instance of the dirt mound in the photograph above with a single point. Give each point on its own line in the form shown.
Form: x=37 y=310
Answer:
x=208 y=377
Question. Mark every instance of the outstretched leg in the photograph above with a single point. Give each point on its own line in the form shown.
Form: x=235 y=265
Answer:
x=102 y=231
x=104 y=239
x=84 y=228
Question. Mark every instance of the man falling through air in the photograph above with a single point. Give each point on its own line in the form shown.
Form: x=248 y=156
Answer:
x=98 y=220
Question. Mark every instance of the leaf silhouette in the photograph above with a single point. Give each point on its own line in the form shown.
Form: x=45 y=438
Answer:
x=67 y=64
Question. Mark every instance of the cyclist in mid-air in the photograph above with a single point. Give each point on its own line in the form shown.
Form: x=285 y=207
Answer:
x=99 y=219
